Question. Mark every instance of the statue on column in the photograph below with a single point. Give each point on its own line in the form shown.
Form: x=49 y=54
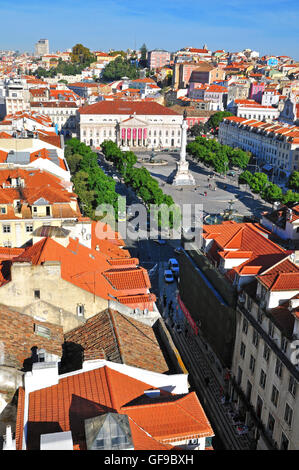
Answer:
x=182 y=176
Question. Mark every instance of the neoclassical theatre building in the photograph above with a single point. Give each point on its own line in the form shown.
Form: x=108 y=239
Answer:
x=134 y=124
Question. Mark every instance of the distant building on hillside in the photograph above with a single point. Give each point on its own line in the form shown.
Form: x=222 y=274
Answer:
x=42 y=47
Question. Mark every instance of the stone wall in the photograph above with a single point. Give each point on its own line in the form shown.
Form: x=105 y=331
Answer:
x=58 y=298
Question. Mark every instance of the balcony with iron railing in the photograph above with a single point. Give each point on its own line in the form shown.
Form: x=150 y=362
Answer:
x=271 y=342
x=255 y=418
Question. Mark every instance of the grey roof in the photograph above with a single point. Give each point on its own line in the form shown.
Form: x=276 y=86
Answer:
x=21 y=158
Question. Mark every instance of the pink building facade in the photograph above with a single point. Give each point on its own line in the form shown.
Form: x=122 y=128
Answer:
x=256 y=91
x=158 y=58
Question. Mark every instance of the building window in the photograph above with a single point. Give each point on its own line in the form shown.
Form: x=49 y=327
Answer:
x=239 y=377
x=278 y=368
x=3 y=210
x=284 y=344
x=274 y=396
x=48 y=212
x=37 y=294
x=242 y=350
x=248 y=390
x=288 y=414
x=259 y=407
x=271 y=424
x=266 y=354
x=252 y=364
x=271 y=329
x=292 y=386
x=260 y=316
x=245 y=326
x=263 y=378
x=6 y=228
x=29 y=227
x=284 y=442
x=255 y=338
x=80 y=310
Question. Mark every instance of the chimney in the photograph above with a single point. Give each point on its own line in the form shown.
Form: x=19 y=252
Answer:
x=9 y=444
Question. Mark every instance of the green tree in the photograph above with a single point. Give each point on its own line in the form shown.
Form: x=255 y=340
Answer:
x=245 y=177
x=272 y=193
x=74 y=162
x=82 y=55
x=119 y=68
x=290 y=197
x=197 y=129
x=214 y=121
x=143 y=58
x=293 y=182
x=258 y=182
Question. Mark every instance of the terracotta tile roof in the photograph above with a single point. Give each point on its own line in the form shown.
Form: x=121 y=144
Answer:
x=50 y=139
x=122 y=339
x=126 y=108
x=244 y=237
x=89 y=269
x=283 y=276
x=174 y=419
x=129 y=279
x=5 y=135
x=20 y=418
x=88 y=394
x=18 y=338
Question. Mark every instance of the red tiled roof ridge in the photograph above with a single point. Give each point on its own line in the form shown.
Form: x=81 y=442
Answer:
x=115 y=333
x=33 y=253
x=20 y=418
x=276 y=264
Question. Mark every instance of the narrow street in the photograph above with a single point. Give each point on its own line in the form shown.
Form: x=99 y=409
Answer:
x=203 y=375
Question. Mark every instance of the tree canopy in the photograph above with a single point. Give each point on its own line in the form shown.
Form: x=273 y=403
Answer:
x=214 y=121
x=143 y=58
x=220 y=157
x=82 y=56
x=293 y=182
x=91 y=184
x=119 y=68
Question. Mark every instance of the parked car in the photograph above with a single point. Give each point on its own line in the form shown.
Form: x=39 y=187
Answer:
x=173 y=265
x=168 y=276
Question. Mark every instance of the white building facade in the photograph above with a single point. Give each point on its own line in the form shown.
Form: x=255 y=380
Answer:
x=271 y=143
x=133 y=124
x=264 y=374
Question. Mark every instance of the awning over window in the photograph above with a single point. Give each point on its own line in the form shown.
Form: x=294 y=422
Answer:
x=267 y=167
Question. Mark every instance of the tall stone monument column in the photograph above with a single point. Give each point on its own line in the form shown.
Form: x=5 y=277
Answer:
x=182 y=176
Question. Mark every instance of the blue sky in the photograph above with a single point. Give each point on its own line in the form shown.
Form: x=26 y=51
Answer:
x=269 y=26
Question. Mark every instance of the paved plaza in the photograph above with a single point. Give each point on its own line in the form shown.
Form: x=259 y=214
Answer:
x=216 y=201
